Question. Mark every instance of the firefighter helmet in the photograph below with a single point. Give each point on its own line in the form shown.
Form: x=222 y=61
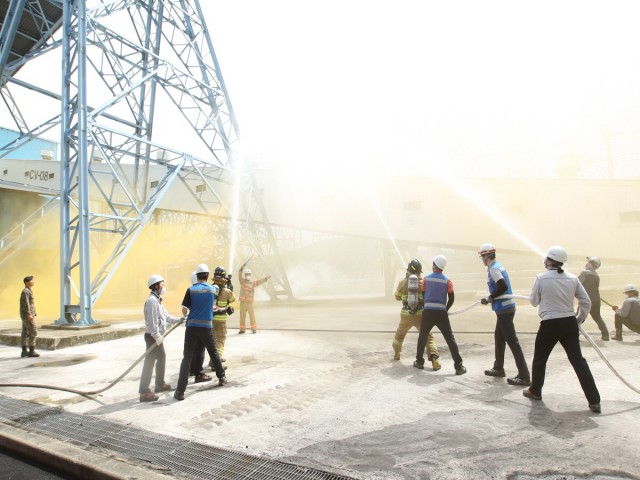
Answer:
x=557 y=254
x=219 y=272
x=440 y=261
x=414 y=267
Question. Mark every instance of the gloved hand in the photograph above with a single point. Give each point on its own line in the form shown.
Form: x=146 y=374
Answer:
x=230 y=310
x=159 y=340
x=486 y=301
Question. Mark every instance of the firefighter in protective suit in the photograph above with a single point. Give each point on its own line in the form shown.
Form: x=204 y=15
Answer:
x=222 y=308
x=409 y=292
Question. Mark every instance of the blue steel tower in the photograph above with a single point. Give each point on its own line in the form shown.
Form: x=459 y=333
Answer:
x=121 y=60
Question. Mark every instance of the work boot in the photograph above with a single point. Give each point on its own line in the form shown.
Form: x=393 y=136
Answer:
x=203 y=377
x=492 y=372
x=595 y=407
x=253 y=330
x=529 y=394
x=605 y=336
x=32 y=352
x=178 y=395
x=519 y=382
x=435 y=363
x=148 y=397
x=618 y=335
x=418 y=365
x=222 y=381
x=461 y=370
x=25 y=352
x=396 y=354
x=241 y=331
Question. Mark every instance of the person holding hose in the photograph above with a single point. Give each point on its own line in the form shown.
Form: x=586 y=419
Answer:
x=591 y=282
x=247 y=289
x=505 y=309
x=411 y=312
x=629 y=314
x=155 y=319
x=222 y=309
x=553 y=292
x=198 y=302
x=438 y=299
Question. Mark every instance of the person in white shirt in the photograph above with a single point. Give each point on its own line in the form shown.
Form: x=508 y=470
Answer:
x=155 y=318
x=554 y=292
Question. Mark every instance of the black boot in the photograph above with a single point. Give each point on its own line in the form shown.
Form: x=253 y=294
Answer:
x=24 y=352
x=32 y=352
x=618 y=335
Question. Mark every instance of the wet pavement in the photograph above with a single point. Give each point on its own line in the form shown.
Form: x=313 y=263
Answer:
x=317 y=387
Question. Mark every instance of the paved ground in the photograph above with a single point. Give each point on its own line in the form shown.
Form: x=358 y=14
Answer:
x=317 y=386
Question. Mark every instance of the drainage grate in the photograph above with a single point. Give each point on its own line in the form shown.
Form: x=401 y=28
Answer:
x=181 y=456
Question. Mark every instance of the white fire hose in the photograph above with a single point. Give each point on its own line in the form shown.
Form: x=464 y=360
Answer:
x=586 y=335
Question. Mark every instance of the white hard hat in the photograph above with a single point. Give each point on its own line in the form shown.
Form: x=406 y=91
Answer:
x=595 y=261
x=153 y=279
x=486 y=248
x=247 y=272
x=440 y=261
x=557 y=254
x=202 y=268
x=629 y=287
x=194 y=278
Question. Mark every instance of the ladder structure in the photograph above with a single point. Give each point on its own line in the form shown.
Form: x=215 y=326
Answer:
x=127 y=68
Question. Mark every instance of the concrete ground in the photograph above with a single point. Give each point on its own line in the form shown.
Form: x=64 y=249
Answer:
x=317 y=386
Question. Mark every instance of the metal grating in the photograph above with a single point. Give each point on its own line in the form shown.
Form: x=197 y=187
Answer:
x=180 y=456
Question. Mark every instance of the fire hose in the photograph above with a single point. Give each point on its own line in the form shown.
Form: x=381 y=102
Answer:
x=584 y=333
x=95 y=392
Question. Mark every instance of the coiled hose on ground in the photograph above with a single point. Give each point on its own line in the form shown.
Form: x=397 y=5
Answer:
x=94 y=392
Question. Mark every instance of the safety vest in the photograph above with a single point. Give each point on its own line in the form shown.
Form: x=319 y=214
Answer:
x=436 y=286
x=502 y=304
x=203 y=297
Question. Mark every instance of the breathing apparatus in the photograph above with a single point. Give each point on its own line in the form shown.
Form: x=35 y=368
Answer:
x=413 y=297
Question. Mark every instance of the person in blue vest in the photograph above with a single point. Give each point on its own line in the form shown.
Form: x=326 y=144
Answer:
x=438 y=299
x=505 y=332
x=198 y=301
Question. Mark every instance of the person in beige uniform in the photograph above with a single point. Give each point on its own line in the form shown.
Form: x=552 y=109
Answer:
x=28 y=317
x=629 y=314
x=247 y=289
x=411 y=315
x=222 y=309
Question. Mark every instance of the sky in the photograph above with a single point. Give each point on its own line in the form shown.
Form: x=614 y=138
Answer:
x=496 y=88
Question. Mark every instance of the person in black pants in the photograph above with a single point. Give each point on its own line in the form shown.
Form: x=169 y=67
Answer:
x=438 y=299
x=554 y=292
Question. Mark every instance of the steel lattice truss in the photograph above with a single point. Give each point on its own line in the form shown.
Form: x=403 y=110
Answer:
x=118 y=59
